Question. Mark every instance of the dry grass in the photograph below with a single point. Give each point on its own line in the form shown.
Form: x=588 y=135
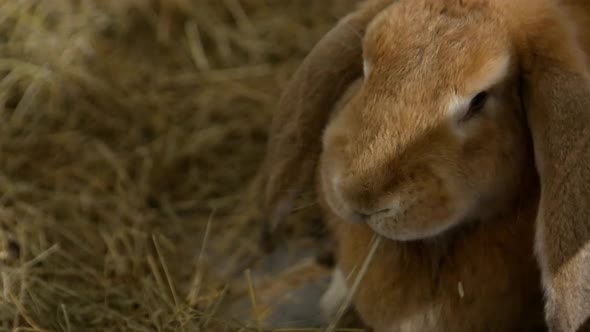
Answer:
x=130 y=132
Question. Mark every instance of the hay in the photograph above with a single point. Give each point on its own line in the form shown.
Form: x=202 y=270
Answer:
x=358 y=278
x=125 y=126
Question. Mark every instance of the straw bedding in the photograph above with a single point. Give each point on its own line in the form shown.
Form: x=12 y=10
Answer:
x=131 y=132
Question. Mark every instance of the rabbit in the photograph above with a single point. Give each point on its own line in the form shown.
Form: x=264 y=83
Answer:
x=405 y=173
x=427 y=276
x=458 y=131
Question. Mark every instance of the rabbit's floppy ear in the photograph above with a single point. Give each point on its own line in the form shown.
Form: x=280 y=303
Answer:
x=304 y=109
x=556 y=98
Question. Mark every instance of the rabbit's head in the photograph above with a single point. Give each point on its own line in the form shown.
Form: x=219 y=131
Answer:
x=435 y=134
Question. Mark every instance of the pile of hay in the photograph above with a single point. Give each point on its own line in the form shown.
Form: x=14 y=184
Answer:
x=127 y=129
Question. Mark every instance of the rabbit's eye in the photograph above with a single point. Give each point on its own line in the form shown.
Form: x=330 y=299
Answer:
x=477 y=104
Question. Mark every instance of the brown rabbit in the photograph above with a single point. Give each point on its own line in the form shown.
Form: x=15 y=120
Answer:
x=465 y=144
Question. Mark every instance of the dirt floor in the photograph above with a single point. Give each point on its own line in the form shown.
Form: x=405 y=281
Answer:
x=131 y=132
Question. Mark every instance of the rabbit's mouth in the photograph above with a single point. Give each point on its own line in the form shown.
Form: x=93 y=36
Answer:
x=411 y=213
x=395 y=229
x=424 y=217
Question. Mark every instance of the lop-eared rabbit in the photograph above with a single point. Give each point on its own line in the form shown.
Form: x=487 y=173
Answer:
x=458 y=131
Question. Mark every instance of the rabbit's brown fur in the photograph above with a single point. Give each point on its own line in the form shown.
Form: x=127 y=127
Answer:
x=464 y=191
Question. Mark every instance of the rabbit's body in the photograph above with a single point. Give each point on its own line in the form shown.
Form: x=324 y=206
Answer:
x=465 y=145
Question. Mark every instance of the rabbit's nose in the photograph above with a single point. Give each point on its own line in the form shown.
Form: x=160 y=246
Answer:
x=358 y=218
x=359 y=201
x=359 y=215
